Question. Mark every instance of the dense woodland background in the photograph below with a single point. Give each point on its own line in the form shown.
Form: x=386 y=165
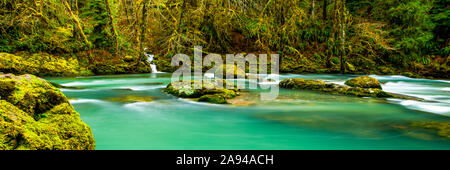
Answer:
x=408 y=37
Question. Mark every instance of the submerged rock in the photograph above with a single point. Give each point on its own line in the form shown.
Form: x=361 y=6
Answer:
x=440 y=128
x=36 y=115
x=209 y=92
x=364 y=82
x=131 y=99
x=319 y=85
x=426 y=130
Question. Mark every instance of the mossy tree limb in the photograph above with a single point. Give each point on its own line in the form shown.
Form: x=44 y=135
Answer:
x=77 y=22
x=113 y=29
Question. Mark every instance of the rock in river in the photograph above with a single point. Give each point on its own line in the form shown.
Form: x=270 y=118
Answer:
x=35 y=115
x=364 y=82
x=209 y=91
x=319 y=85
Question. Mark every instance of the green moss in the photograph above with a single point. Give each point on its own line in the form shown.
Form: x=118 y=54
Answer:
x=36 y=115
x=41 y=64
x=214 y=98
x=350 y=67
x=386 y=70
x=31 y=94
x=299 y=83
x=364 y=82
x=408 y=74
x=226 y=93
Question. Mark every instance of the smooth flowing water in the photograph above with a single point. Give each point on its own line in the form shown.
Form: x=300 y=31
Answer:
x=295 y=120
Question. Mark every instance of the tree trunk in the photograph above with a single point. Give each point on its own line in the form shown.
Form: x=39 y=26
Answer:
x=369 y=9
x=143 y=27
x=343 y=17
x=125 y=9
x=325 y=4
x=333 y=31
x=111 y=23
x=77 y=22
x=313 y=5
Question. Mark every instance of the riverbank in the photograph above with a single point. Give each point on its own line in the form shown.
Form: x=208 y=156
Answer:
x=436 y=69
x=96 y=62
x=100 y=62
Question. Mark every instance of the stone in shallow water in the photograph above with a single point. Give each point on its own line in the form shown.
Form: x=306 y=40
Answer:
x=331 y=88
x=364 y=82
x=131 y=99
x=426 y=130
x=209 y=91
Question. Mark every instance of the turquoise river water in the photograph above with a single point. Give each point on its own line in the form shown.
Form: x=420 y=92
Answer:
x=295 y=120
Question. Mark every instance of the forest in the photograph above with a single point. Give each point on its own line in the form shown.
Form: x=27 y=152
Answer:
x=81 y=37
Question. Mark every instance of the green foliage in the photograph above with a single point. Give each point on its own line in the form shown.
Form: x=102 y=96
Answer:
x=98 y=32
x=36 y=27
x=367 y=34
x=411 y=25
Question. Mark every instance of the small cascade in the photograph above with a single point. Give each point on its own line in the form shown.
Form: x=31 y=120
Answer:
x=150 y=58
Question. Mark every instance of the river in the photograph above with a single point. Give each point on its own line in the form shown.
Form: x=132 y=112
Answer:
x=295 y=120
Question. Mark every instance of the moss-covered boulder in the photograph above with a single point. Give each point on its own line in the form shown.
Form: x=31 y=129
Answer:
x=36 y=115
x=364 y=82
x=209 y=92
x=230 y=69
x=331 y=88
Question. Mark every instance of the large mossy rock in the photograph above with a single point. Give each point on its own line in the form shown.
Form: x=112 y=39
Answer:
x=229 y=69
x=364 y=82
x=209 y=92
x=331 y=88
x=36 y=115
